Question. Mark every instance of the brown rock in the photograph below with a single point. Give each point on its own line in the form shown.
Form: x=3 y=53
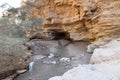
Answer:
x=82 y=19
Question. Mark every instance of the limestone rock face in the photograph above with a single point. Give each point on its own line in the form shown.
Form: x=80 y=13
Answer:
x=82 y=19
x=108 y=52
x=104 y=71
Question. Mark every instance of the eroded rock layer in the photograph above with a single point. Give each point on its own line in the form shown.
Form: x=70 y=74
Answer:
x=82 y=19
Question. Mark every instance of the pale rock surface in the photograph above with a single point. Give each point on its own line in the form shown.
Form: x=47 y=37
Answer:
x=96 y=44
x=103 y=71
x=107 y=52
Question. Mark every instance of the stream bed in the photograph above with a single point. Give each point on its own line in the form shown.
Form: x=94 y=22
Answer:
x=53 y=58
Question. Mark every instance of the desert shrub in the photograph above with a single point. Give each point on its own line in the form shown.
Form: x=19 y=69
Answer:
x=11 y=39
x=11 y=45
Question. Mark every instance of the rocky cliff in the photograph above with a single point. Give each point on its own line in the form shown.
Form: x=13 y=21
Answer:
x=81 y=19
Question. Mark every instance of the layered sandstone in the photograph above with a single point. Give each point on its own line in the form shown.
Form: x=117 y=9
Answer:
x=82 y=19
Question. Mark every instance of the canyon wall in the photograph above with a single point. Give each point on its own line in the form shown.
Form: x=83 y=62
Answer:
x=81 y=19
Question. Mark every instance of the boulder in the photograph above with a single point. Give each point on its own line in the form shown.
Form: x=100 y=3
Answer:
x=103 y=71
x=107 y=52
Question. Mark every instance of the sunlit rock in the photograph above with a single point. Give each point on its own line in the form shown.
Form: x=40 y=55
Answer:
x=108 y=52
x=104 y=71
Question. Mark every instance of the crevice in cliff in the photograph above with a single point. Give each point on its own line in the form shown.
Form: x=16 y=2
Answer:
x=78 y=8
x=81 y=20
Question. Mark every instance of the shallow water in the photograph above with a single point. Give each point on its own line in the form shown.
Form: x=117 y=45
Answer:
x=58 y=60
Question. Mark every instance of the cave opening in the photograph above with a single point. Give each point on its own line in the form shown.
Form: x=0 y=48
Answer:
x=57 y=35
